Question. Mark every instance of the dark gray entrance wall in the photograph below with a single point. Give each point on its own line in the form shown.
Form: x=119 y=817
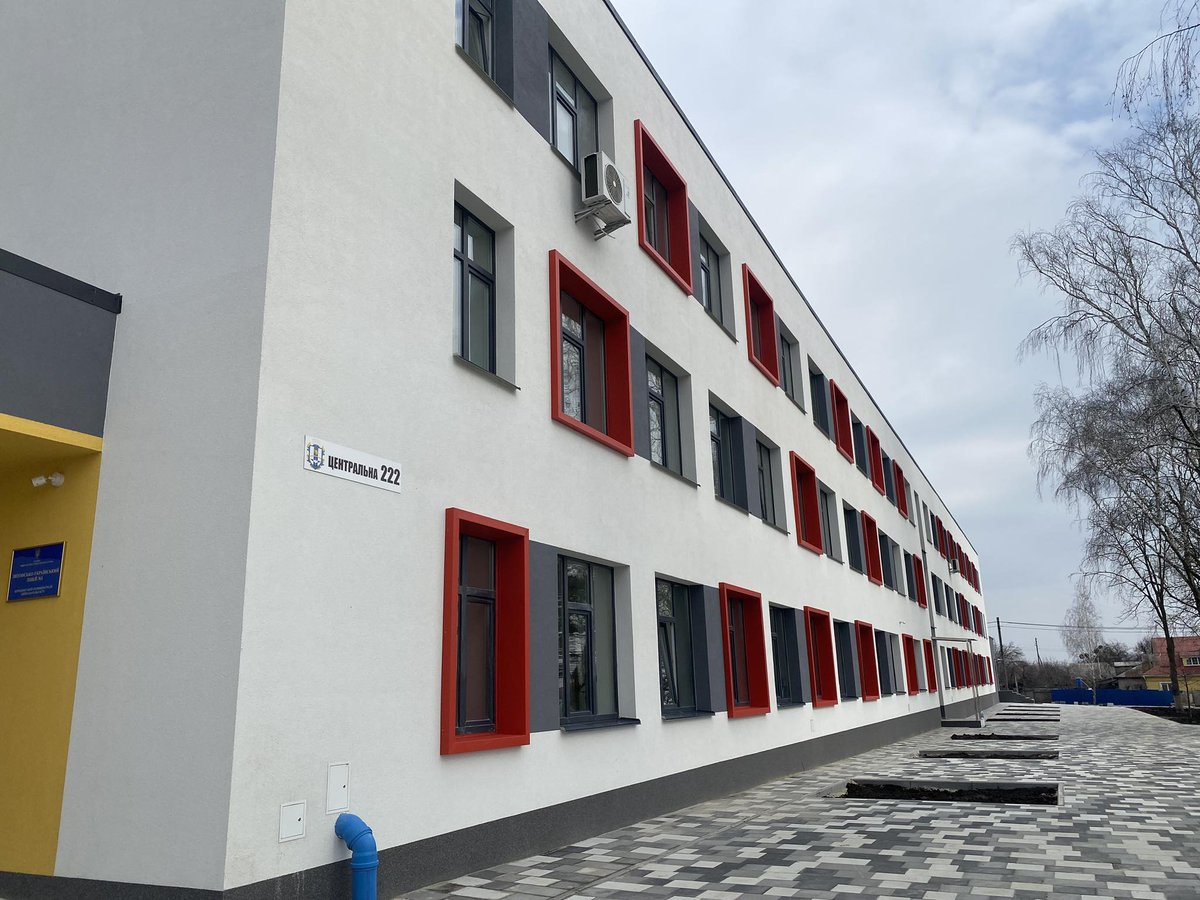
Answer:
x=55 y=351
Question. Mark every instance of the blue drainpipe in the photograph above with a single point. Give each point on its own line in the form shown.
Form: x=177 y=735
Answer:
x=364 y=860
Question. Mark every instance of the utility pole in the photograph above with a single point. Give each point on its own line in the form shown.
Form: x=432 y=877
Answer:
x=1037 y=650
x=1003 y=664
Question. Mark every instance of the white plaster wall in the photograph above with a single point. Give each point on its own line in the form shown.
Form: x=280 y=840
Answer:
x=136 y=154
x=378 y=117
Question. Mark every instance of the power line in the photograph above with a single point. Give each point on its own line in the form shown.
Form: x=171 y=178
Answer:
x=1139 y=628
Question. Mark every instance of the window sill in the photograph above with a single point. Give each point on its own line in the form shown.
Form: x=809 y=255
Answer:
x=566 y=162
x=849 y=456
x=796 y=403
x=684 y=284
x=491 y=82
x=728 y=333
x=676 y=475
x=470 y=743
x=674 y=715
x=811 y=547
x=596 y=435
x=745 y=712
x=762 y=367
x=480 y=370
x=820 y=704
x=790 y=704
x=781 y=529
x=731 y=503
x=597 y=724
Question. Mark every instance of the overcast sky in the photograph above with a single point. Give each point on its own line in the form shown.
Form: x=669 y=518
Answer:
x=890 y=151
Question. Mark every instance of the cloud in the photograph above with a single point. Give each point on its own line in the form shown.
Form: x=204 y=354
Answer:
x=890 y=152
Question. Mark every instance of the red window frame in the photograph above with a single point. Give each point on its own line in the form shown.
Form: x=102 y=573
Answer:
x=648 y=155
x=818 y=634
x=868 y=665
x=941 y=536
x=756 y=651
x=919 y=577
x=991 y=678
x=565 y=276
x=910 y=664
x=843 y=431
x=875 y=451
x=959 y=676
x=930 y=665
x=964 y=615
x=901 y=489
x=761 y=308
x=511 y=633
x=871 y=548
x=806 y=502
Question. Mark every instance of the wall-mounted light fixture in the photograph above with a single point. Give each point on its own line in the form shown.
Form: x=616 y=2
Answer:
x=56 y=479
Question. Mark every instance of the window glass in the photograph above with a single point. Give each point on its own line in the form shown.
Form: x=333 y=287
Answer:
x=605 y=641
x=820 y=400
x=787 y=379
x=572 y=110
x=720 y=429
x=676 y=684
x=564 y=129
x=594 y=389
x=861 y=459
x=475 y=288
x=588 y=640
x=476 y=636
x=783 y=655
x=564 y=80
x=476 y=38
x=584 y=385
x=844 y=645
x=737 y=651
x=710 y=279
x=588 y=140
x=825 y=506
x=662 y=390
x=854 y=549
x=766 y=483
x=883 y=656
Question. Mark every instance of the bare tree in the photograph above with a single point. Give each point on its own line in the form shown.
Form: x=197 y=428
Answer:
x=1164 y=70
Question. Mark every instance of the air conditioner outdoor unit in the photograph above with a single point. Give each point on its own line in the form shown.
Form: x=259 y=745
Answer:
x=604 y=194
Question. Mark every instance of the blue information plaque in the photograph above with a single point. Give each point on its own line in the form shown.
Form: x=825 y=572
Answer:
x=36 y=572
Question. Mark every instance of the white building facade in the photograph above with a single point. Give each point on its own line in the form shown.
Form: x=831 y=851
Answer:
x=625 y=530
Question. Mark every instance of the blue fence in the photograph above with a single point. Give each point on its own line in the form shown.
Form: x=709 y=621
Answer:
x=1116 y=698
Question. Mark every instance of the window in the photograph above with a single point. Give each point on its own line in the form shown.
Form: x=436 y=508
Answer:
x=709 y=293
x=919 y=577
x=847 y=665
x=830 y=539
x=843 y=429
x=910 y=664
x=938 y=607
x=663 y=229
x=676 y=679
x=895 y=653
x=766 y=484
x=870 y=538
x=590 y=371
x=763 y=345
x=475 y=288
x=485 y=634
x=807 y=505
x=746 y=685
x=910 y=576
x=865 y=638
x=819 y=389
x=662 y=389
x=886 y=561
x=787 y=367
x=889 y=479
x=785 y=648
x=883 y=657
x=876 y=453
x=721 y=439
x=854 y=539
x=821 y=667
x=588 y=646
x=861 y=457
x=901 y=489
x=573 y=123
x=930 y=667
x=1192 y=661
x=475 y=32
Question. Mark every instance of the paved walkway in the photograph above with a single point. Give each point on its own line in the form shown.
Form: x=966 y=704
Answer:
x=1128 y=827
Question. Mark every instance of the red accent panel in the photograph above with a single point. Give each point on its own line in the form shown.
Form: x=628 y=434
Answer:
x=806 y=503
x=756 y=651
x=875 y=451
x=910 y=664
x=930 y=666
x=959 y=679
x=648 y=155
x=618 y=381
x=822 y=676
x=871 y=548
x=941 y=535
x=964 y=615
x=843 y=433
x=512 y=634
x=901 y=493
x=919 y=575
x=760 y=308
x=868 y=667
x=991 y=676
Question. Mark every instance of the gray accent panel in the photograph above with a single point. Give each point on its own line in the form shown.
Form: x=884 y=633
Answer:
x=55 y=356
x=714 y=659
x=847 y=652
x=503 y=43
x=545 y=712
x=410 y=866
x=531 y=64
x=694 y=232
x=641 y=400
x=748 y=467
x=805 y=668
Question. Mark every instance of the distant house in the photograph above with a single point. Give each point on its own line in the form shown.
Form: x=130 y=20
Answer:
x=1157 y=675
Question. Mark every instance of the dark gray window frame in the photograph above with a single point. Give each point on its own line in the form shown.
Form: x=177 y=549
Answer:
x=845 y=651
x=673 y=451
x=766 y=483
x=589 y=716
x=654 y=204
x=861 y=458
x=883 y=662
x=786 y=657
x=485 y=12
x=556 y=93
x=889 y=479
x=855 y=551
x=467 y=269
x=485 y=596
x=818 y=386
x=677 y=710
